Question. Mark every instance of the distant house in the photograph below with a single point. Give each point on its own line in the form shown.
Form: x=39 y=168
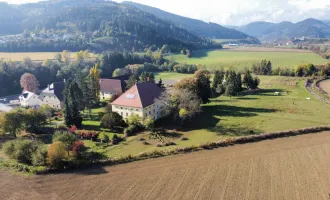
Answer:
x=29 y=99
x=109 y=87
x=53 y=95
x=139 y=100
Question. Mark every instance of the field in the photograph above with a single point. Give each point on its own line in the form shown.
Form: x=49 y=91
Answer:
x=325 y=86
x=294 y=168
x=237 y=116
x=35 y=56
x=242 y=57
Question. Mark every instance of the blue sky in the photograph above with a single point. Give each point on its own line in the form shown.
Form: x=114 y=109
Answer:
x=239 y=12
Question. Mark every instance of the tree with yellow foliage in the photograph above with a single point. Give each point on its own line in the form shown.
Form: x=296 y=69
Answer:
x=56 y=155
x=94 y=74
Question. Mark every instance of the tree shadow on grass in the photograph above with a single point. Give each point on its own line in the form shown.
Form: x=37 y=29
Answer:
x=212 y=116
x=267 y=92
x=91 y=127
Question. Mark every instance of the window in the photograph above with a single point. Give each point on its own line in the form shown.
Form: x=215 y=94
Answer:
x=121 y=107
x=146 y=115
x=149 y=112
x=126 y=114
x=137 y=109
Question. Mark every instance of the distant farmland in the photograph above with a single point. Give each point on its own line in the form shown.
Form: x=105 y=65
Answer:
x=35 y=56
x=241 y=58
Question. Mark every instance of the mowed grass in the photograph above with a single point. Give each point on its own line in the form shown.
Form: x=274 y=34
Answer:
x=245 y=59
x=227 y=117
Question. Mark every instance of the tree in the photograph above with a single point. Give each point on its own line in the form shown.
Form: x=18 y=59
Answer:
x=33 y=119
x=58 y=57
x=131 y=81
x=29 y=83
x=95 y=78
x=202 y=77
x=67 y=139
x=65 y=57
x=12 y=122
x=112 y=120
x=149 y=123
x=72 y=94
x=161 y=84
x=189 y=84
x=56 y=155
x=218 y=78
x=134 y=120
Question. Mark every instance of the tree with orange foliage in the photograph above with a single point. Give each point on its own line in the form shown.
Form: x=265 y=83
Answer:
x=56 y=155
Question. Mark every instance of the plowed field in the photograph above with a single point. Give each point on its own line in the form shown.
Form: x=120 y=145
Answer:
x=289 y=168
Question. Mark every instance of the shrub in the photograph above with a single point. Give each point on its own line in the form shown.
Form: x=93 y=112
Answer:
x=131 y=130
x=145 y=143
x=66 y=138
x=111 y=120
x=78 y=148
x=104 y=138
x=115 y=139
x=20 y=150
x=184 y=139
x=56 y=155
x=149 y=123
x=39 y=157
x=134 y=120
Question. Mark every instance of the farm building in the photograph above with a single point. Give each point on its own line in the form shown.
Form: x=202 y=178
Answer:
x=139 y=100
x=53 y=95
x=109 y=87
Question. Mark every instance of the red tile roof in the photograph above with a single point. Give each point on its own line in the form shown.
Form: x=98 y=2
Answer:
x=140 y=95
x=112 y=86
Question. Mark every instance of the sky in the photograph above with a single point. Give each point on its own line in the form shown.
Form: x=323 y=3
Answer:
x=238 y=12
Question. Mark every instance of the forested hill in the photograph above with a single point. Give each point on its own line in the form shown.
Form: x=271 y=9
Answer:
x=198 y=27
x=89 y=24
x=266 y=31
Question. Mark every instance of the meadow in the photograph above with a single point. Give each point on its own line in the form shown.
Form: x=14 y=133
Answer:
x=287 y=168
x=35 y=56
x=226 y=117
x=243 y=57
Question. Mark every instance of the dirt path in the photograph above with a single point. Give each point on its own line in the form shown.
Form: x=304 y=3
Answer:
x=289 y=168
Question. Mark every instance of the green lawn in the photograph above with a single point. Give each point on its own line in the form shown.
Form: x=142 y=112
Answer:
x=251 y=114
x=240 y=60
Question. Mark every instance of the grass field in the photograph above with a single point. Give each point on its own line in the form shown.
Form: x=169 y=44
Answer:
x=292 y=168
x=251 y=114
x=241 y=58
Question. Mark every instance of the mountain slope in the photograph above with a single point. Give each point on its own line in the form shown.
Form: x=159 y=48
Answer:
x=266 y=31
x=92 y=24
x=198 y=27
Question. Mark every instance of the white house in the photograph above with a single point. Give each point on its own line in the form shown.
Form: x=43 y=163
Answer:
x=53 y=95
x=139 y=100
x=29 y=99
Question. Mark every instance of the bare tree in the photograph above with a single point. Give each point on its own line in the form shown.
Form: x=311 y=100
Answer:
x=29 y=83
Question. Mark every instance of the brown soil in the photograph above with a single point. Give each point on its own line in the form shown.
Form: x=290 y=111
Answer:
x=325 y=86
x=288 y=168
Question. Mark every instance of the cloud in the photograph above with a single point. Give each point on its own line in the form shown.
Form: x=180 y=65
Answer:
x=239 y=12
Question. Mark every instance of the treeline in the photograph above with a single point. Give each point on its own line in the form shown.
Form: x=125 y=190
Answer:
x=302 y=70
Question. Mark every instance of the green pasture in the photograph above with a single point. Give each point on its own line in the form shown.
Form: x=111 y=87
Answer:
x=235 y=59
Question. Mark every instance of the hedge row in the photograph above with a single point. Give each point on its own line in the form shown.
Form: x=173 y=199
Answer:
x=212 y=145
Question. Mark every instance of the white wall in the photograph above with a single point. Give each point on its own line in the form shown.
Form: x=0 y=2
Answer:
x=33 y=101
x=51 y=101
x=153 y=110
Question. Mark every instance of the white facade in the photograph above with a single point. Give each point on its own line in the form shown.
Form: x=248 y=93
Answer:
x=50 y=100
x=29 y=99
x=105 y=95
x=153 y=111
